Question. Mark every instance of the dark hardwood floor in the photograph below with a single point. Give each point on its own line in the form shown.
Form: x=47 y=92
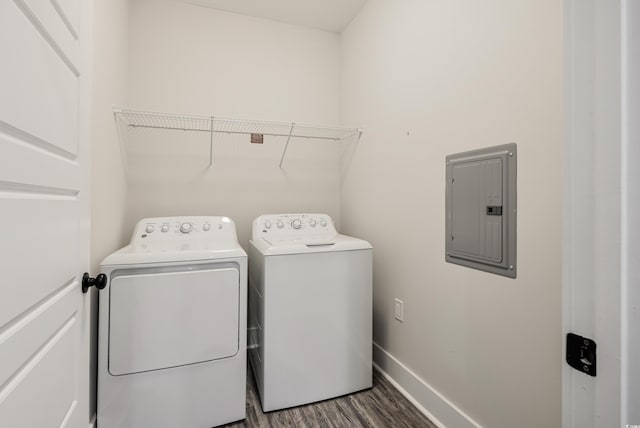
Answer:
x=380 y=406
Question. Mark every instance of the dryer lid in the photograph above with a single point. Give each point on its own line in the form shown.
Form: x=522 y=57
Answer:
x=176 y=239
x=173 y=251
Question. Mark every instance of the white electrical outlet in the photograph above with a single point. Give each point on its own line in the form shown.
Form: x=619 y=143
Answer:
x=399 y=310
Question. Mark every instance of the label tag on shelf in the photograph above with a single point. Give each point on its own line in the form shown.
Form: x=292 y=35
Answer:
x=257 y=138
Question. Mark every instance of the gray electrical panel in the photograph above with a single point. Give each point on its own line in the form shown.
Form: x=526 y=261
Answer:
x=481 y=209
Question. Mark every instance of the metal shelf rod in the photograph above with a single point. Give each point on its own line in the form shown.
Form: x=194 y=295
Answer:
x=220 y=125
x=238 y=132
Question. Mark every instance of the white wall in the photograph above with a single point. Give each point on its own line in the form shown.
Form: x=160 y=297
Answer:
x=108 y=184
x=430 y=78
x=110 y=87
x=190 y=59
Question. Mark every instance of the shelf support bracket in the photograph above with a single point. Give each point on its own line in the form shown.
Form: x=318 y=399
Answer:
x=211 y=143
x=286 y=146
x=121 y=142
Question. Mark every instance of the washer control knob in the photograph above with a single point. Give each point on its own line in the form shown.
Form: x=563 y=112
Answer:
x=150 y=228
x=280 y=224
x=206 y=227
x=165 y=228
x=186 y=227
x=323 y=223
x=296 y=223
x=312 y=223
x=267 y=225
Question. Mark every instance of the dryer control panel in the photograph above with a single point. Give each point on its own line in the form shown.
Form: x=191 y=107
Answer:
x=191 y=227
x=293 y=226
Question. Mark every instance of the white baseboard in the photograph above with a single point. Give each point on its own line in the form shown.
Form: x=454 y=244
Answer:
x=430 y=402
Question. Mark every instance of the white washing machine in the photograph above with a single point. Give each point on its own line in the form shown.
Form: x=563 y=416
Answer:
x=172 y=327
x=310 y=310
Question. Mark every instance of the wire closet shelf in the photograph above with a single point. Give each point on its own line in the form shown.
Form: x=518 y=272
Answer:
x=225 y=125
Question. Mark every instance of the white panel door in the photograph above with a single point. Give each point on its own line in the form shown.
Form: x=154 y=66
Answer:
x=601 y=291
x=631 y=212
x=44 y=236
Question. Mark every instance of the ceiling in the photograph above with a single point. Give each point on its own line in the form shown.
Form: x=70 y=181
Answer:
x=329 y=15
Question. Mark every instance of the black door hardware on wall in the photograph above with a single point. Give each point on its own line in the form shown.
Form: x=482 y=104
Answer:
x=581 y=353
x=99 y=281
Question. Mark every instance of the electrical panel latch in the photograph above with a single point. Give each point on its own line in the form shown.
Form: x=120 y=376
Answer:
x=494 y=210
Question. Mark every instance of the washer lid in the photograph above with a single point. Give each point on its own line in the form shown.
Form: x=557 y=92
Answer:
x=174 y=251
x=310 y=245
x=293 y=226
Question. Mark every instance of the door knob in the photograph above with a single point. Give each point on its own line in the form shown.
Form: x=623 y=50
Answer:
x=99 y=281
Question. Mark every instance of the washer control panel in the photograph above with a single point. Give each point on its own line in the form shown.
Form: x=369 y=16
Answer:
x=293 y=226
x=193 y=227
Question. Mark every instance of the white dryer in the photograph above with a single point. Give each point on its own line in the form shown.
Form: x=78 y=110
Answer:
x=310 y=310
x=172 y=327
